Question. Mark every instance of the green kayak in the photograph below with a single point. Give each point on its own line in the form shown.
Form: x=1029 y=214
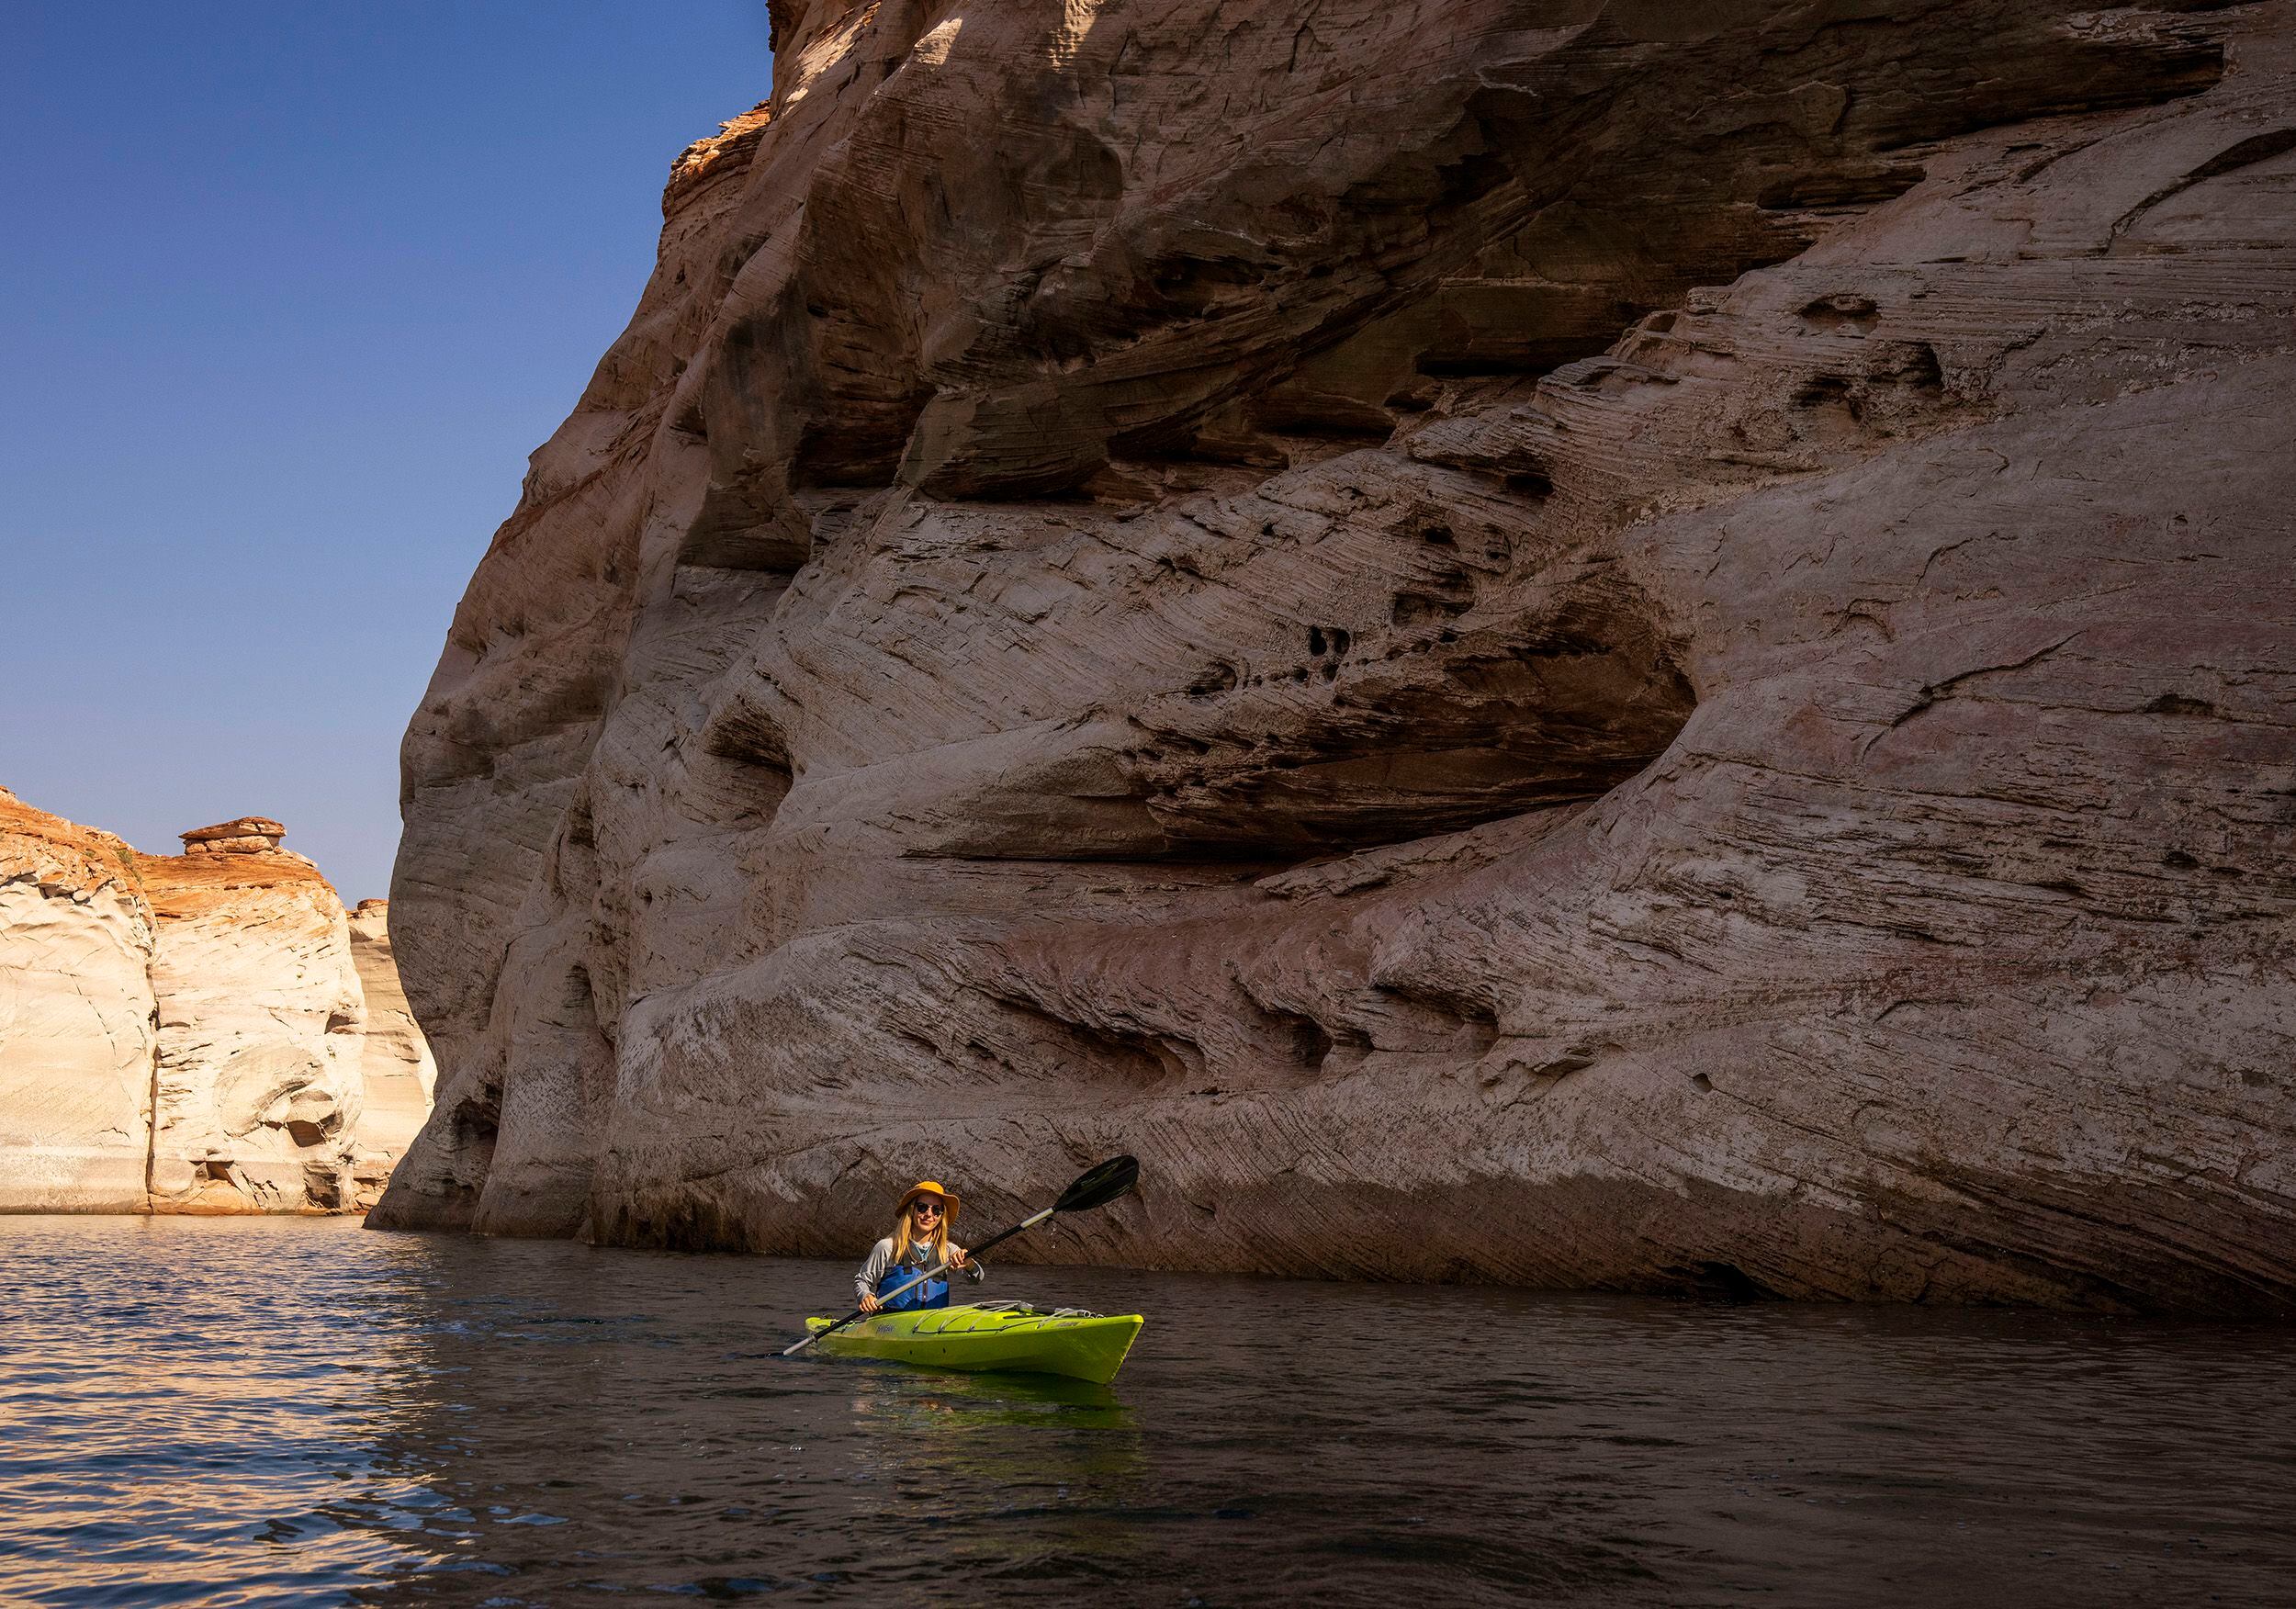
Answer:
x=1008 y=1337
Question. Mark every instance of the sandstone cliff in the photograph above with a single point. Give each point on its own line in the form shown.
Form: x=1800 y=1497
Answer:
x=259 y=1017
x=76 y=1034
x=191 y=1033
x=396 y=1069
x=1593 y=644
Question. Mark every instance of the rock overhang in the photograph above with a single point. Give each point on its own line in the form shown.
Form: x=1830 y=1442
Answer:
x=1355 y=640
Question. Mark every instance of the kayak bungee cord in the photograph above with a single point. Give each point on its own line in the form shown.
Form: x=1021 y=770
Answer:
x=1095 y=1187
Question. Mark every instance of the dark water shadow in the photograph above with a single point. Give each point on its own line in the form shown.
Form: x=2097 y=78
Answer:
x=221 y=1415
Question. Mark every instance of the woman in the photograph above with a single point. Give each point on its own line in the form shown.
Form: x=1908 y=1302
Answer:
x=919 y=1242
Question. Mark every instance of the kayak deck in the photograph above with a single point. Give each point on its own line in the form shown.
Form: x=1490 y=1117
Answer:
x=1004 y=1337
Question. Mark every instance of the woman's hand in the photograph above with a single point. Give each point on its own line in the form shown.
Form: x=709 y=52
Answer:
x=870 y=1304
x=958 y=1258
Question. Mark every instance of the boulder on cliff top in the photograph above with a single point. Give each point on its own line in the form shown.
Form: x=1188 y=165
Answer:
x=250 y=835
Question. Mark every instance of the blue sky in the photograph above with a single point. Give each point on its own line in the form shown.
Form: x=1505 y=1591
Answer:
x=291 y=291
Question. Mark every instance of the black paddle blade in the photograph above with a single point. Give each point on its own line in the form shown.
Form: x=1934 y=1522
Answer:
x=1103 y=1185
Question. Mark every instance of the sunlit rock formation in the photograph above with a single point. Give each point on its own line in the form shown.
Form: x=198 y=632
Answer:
x=1579 y=644
x=395 y=1072
x=259 y=1026
x=190 y=1033
x=76 y=1034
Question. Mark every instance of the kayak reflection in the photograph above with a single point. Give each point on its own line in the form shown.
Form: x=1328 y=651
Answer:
x=1046 y=1400
x=1062 y=1463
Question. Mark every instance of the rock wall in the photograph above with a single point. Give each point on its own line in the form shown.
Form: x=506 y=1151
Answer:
x=190 y=1033
x=260 y=1012
x=1613 y=644
x=396 y=1069
x=77 y=1033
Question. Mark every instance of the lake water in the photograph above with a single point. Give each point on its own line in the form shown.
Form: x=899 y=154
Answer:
x=296 y=1412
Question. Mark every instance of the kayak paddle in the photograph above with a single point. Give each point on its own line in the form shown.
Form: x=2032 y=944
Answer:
x=1095 y=1187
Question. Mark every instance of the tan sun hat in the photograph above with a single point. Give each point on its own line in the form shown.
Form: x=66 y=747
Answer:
x=932 y=1187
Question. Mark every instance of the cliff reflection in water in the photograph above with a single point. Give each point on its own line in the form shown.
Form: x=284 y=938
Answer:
x=285 y=1413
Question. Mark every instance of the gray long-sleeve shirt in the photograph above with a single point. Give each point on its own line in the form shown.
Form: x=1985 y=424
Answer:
x=881 y=1258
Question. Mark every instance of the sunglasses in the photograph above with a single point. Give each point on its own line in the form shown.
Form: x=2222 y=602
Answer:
x=924 y=1209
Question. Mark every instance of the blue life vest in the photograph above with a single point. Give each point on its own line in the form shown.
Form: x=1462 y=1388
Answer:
x=933 y=1293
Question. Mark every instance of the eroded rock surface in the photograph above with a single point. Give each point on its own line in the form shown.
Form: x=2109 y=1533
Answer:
x=1610 y=644
x=260 y=1012
x=76 y=1035
x=191 y=1033
x=396 y=1069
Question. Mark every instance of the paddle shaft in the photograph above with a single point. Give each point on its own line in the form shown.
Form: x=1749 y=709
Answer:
x=907 y=1286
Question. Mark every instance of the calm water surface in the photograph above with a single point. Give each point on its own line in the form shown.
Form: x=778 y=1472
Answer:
x=299 y=1412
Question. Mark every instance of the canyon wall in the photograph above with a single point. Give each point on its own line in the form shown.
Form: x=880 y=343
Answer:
x=193 y=1033
x=397 y=1072
x=77 y=1040
x=1617 y=645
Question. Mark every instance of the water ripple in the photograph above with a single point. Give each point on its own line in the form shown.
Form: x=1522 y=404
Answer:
x=290 y=1413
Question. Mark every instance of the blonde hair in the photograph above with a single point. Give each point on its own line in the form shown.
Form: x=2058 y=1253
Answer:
x=903 y=1240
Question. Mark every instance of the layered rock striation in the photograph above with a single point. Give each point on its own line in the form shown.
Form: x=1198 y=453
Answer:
x=1567 y=643
x=77 y=1037
x=397 y=1073
x=192 y=1033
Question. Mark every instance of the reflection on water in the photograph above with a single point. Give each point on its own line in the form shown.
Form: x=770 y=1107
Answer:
x=291 y=1412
